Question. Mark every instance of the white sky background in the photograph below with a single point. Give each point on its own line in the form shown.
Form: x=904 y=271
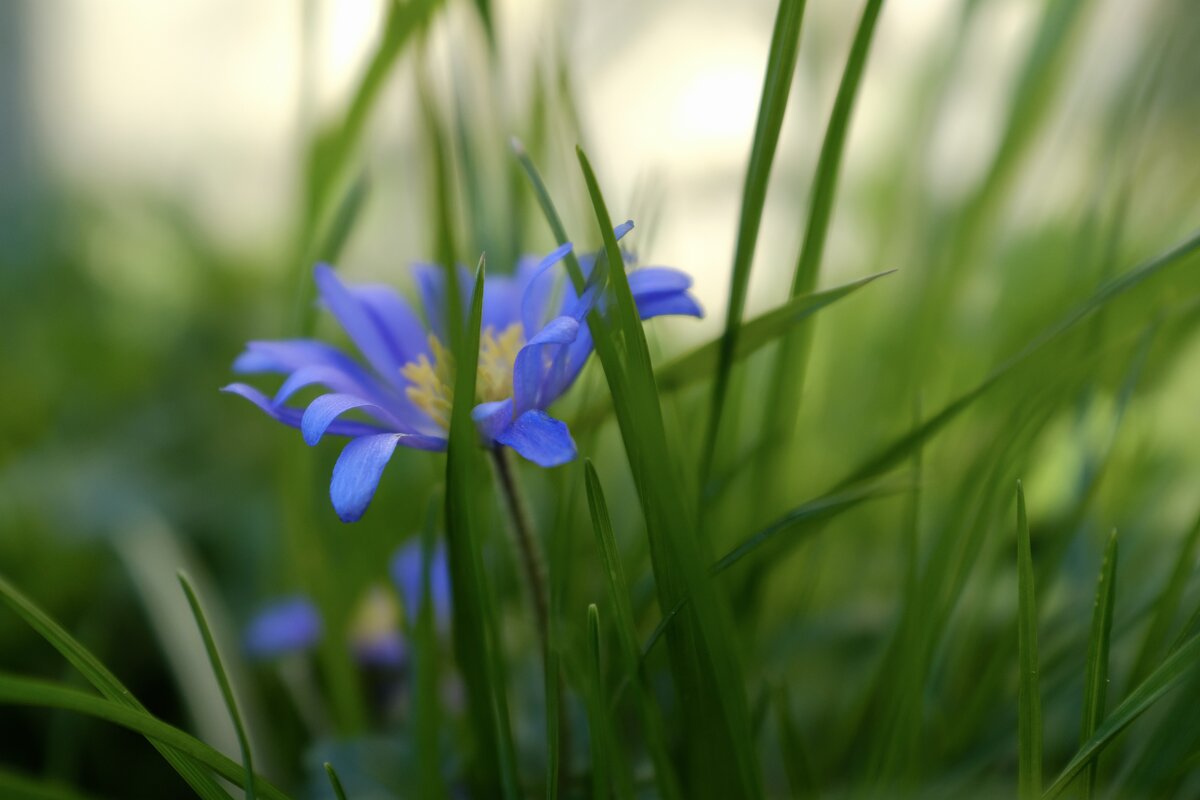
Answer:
x=200 y=100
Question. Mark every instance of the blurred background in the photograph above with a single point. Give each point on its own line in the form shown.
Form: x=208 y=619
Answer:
x=1005 y=156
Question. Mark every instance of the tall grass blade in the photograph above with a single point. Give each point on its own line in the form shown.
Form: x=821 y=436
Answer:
x=791 y=362
x=1179 y=666
x=427 y=712
x=602 y=759
x=475 y=640
x=618 y=592
x=334 y=781
x=16 y=690
x=1029 y=707
x=100 y=677
x=332 y=147
x=777 y=83
x=704 y=662
x=1095 y=687
x=214 y=659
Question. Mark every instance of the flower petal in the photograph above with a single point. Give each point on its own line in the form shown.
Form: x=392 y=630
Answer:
x=289 y=355
x=322 y=411
x=673 y=303
x=431 y=285
x=651 y=280
x=332 y=378
x=567 y=365
x=492 y=418
x=358 y=322
x=293 y=416
x=357 y=472
x=535 y=288
x=534 y=359
x=540 y=438
x=395 y=318
x=288 y=626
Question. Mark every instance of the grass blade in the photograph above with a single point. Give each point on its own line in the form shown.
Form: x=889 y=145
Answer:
x=790 y=364
x=214 y=659
x=16 y=690
x=1095 y=687
x=331 y=149
x=902 y=447
x=801 y=518
x=753 y=335
x=1167 y=604
x=597 y=732
x=707 y=674
x=105 y=682
x=335 y=781
x=476 y=643
x=796 y=763
x=618 y=591
x=1175 y=669
x=777 y=83
x=698 y=363
x=1029 y=705
x=425 y=700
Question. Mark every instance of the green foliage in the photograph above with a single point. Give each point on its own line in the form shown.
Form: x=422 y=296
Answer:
x=794 y=546
x=1029 y=715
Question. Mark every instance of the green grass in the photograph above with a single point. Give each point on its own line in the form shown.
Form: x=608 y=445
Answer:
x=783 y=563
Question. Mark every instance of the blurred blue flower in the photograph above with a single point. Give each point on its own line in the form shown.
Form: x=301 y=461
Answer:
x=375 y=630
x=529 y=355
x=287 y=626
x=405 y=569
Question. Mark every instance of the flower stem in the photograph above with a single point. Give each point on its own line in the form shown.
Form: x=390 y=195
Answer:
x=527 y=546
x=535 y=578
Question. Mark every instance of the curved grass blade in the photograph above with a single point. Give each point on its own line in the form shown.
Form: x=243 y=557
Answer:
x=1095 y=687
x=335 y=782
x=705 y=666
x=815 y=510
x=618 y=591
x=753 y=334
x=16 y=690
x=1029 y=704
x=214 y=659
x=574 y=271
x=105 y=682
x=898 y=450
x=1178 y=667
x=697 y=364
x=1167 y=604
x=597 y=733
x=777 y=83
x=791 y=361
x=802 y=519
x=475 y=639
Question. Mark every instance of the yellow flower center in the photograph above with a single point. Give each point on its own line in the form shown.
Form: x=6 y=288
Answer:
x=431 y=383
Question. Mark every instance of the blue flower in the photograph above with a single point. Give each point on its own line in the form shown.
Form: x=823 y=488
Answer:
x=530 y=352
x=287 y=626
x=405 y=569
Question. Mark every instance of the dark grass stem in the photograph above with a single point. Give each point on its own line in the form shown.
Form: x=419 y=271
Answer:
x=533 y=564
